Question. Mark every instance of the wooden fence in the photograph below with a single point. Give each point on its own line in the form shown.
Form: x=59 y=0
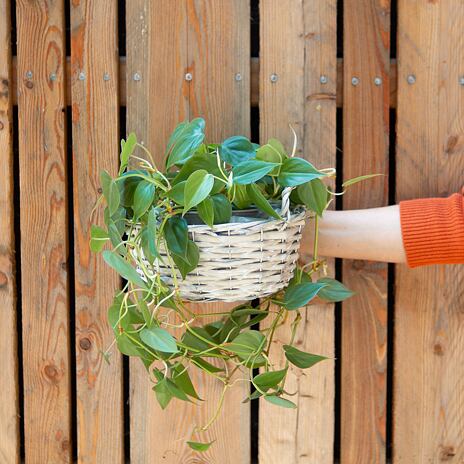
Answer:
x=396 y=388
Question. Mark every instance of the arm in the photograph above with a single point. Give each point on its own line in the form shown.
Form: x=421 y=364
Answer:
x=418 y=232
x=373 y=234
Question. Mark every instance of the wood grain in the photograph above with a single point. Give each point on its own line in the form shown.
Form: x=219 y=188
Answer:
x=9 y=411
x=254 y=82
x=44 y=244
x=156 y=103
x=429 y=322
x=298 y=44
x=95 y=111
x=365 y=150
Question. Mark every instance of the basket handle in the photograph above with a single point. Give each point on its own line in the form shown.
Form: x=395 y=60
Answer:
x=285 y=208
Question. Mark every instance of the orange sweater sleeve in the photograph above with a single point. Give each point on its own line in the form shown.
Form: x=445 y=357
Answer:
x=433 y=230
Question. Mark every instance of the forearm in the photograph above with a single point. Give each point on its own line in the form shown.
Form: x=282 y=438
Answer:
x=372 y=234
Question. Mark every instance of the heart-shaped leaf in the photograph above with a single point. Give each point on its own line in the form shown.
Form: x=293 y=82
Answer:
x=279 y=401
x=270 y=379
x=197 y=188
x=176 y=235
x=314 y=195
x=98 y=238
x=300 y=358
x=124 y=269
x=201 y=447
x=143 y=197
x=110 y=192
x=127 y=148
x=297 y=171
x=250 y=171
x=261 y=202
x=301 y=294
x=335 y=290
x=236 y=149
x=159 y=339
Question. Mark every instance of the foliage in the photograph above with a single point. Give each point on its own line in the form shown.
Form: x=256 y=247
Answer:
x=146 y=214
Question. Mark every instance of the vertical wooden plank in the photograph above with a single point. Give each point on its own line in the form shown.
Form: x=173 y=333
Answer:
x=298 y=45
x=43 y=215
x=9 y=423
x=95 y=110
x=365 y=150
x=429 y=325
x=158 y=98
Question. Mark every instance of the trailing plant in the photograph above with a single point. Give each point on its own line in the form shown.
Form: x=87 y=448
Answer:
x=146 y=211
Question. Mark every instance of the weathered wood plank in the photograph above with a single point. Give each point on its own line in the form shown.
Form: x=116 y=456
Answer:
x=224 y=102
x=298 y=44
x=365 y=150
x=95 y=110
x=429 y=320
x=254 y=82
x=44 y=244
x=157 y=99
x=9 y=413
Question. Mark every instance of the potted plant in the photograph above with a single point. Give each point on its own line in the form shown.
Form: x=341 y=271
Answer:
x=219 y=222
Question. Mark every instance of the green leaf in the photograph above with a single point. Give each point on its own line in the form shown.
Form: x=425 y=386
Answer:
x=279 y=401
x=110 y=192
x=143 y=197
x=261 y=202
x=197 y=188
x=124 y=269
x=270 y=379
x=241 y=198
x=222 y=209
x=98 y=238
x=176 y=235
x=127 y=148
x=163 y=394
x=300 y=294
x=127 y=185
x=206 y=211
x=272 y=152
x=300 y=358
x=148 y=238
x=177 y=193
x=185 y=139
x=296 y=171
x=250 y=171
x=189 y=261
x=355 y=180
x=182 y=379
x=335 y=290
x=236 y=149
x=206 y=366
x=247 y=346
x=313 y=194
x=159 y=339
x=201 y=447
x=191 y=340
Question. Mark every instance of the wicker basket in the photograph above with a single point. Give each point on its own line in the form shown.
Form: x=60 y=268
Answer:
x=241 y=260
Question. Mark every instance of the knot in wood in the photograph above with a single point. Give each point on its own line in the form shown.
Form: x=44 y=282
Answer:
x=447 y=453
x=85 y=344
x=438 y=349
x=51 y=372
x=29 y=84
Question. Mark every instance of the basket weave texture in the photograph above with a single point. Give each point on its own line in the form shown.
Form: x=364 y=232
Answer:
x=239 y=260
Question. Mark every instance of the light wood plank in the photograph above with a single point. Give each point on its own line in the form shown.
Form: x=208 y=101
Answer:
x=429 y=320
x=95 y=111
x=44 y=244
x=9 y=413
x=365 y=150
x=298 y=44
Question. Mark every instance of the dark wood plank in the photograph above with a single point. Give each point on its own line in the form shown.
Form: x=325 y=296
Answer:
x=9 y=418
x=429 y=317
x=298 y=45
x=95 y=111
x=365 y=150
x=44 y=244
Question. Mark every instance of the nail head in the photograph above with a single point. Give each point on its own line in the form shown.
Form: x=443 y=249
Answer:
x=188 y=77
x=106 y=77
x=324 y=79
x=461 y=80
x=411 y=79
x=53 y=77
x=29 y=74
x=238 y=77
x=378 y=81
x=354 y=81
x=274 y=78
x=81 y=76
x=137 y=77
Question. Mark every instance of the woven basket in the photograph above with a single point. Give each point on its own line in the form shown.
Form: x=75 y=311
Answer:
x=240 y=260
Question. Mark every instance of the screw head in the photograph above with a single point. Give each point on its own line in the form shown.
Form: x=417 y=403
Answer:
x=188 y=77
x=137 y=77
x=378 y=81
x=106 y=77
x=29 y=74
x=355 y=81
x=238 y=77
x=53 y=77
x=274 y=77
x=461 y=80
x=411 y=79
x=324 y=79
x=81 y=76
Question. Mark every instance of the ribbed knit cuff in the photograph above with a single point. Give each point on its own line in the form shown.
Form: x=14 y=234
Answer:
x=433 y=230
